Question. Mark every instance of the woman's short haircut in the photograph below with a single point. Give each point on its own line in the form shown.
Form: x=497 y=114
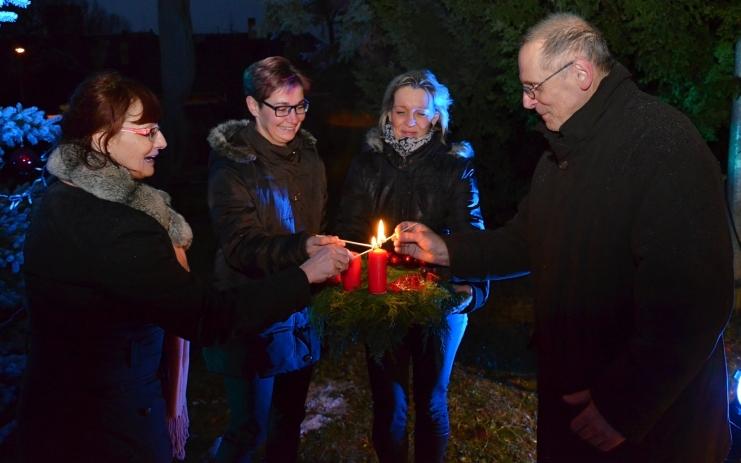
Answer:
x=425 y=80
x=263 y=77
x=566 y=36
x=100 y=104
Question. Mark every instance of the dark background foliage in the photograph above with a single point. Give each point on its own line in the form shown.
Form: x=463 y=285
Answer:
x=681 y=51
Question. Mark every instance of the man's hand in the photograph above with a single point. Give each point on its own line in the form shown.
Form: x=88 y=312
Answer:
x=590 y=425
x=418 y=241
x=315 y=243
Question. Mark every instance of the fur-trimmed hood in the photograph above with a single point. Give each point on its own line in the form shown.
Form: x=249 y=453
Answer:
x=222 y=141
x=374 y=139
x=114 y=183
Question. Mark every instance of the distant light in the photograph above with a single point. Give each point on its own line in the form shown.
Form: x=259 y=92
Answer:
x=19 y=50
x=737 y=377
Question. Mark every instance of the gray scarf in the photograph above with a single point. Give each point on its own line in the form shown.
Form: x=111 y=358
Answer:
x=404 y=146
x=113 y=183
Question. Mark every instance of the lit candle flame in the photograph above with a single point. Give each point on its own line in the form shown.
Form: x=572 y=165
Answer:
x=380 y=238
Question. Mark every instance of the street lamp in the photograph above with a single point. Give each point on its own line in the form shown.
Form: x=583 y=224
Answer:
x=19 y=53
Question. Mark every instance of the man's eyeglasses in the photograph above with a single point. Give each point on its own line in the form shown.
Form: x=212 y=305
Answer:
x=530 y=90
x=149 y=132
x=285 y=110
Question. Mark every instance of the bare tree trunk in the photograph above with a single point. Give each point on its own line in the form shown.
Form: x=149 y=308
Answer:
x=734 y=179
x=177 y=64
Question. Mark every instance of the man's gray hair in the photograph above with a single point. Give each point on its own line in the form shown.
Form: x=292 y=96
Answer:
x=567 y=36
x=425 y=80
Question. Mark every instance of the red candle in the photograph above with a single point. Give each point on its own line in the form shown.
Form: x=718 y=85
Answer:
x=377 y=260
x=351 y=276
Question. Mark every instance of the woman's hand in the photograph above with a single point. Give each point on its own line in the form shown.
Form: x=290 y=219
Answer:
x=327 y=261
x=316 y=242
x=463 y=290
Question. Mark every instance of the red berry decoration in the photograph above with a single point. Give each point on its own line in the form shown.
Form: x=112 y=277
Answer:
x=406 y=283
x=432 y=277
x=394 y=259
x=23 y=162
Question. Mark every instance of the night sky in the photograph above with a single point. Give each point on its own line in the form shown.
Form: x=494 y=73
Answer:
x=208 y=16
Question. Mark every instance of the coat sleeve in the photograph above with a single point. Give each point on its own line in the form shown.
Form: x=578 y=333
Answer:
x=141 y=270
x=243 y=235
x=492 y=254
x=466 y=215
x=683 y=290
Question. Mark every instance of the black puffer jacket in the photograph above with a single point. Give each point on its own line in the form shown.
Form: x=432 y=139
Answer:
x=265 y=201
x=434 y=185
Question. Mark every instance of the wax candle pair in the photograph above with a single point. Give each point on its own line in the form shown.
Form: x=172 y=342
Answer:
x=377 y=261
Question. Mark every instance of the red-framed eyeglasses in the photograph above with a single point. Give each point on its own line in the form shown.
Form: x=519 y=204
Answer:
x=149 y=132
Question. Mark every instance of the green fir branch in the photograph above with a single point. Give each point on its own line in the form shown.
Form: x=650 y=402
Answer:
x=381 y=321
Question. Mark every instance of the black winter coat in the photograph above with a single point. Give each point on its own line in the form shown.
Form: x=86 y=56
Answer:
x=626 y=234
x=102 y=282
x=435 y=185
x=265 y=201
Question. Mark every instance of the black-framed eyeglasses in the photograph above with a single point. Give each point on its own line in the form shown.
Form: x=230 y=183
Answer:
x=530 y=90
x=149 y=132
x=284 y=110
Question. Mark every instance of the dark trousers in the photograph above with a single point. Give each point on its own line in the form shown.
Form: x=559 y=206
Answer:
x=431 y=358
x=265 y=417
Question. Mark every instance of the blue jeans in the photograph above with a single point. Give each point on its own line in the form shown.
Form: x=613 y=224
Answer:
x=431 y=358
x=265 y=416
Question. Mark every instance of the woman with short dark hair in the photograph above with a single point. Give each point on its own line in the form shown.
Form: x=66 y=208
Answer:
x=104 y=272
x=266 y=194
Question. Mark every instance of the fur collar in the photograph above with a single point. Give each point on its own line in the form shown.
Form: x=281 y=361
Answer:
x=221 y=140
x=113 y=183
x=374 y=139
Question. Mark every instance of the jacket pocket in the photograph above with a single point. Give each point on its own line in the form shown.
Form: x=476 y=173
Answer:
x=131 y=426
x=288 y=346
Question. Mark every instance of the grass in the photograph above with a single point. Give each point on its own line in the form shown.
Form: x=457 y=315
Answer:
x=491 y=420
